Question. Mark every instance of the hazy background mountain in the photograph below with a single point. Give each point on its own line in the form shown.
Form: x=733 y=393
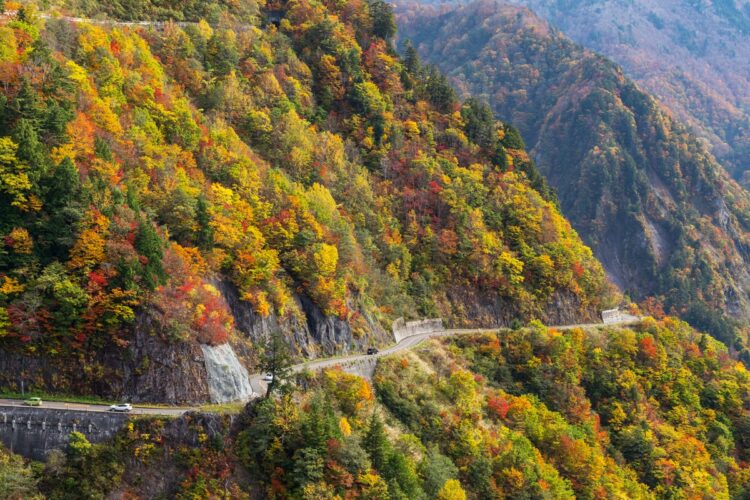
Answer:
x=690 y=54
x=694 y=55
x=661 y=214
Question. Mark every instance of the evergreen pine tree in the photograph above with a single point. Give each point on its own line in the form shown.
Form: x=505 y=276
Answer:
x=149 y=244
x=383 y=22
x=30 y=150
x=411 y=59
x=204 y=237
x=276 y=361
x=376 y=443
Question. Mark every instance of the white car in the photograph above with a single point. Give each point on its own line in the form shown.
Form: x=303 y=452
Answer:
x=268 y=377
x=121 y=407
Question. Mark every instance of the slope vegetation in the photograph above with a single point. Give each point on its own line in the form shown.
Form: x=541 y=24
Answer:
x=221 y=179
x=653 y=411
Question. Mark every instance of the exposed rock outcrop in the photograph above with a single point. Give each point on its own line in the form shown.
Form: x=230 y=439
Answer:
x=308 y=331
x=488 y=311
x=151 y=369
x=228 y=379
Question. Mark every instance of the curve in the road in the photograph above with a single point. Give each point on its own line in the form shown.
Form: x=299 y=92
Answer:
x=259 y=386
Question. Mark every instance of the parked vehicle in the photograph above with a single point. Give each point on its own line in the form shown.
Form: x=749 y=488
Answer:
x=268 y=377
x=33 y=402
x=371 y=351
x=123 y=407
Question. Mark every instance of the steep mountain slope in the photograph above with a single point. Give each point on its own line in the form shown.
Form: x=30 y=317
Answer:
x=660 y=213
x=168 y=186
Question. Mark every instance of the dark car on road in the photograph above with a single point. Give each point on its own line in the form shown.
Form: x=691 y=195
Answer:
x=371 y=351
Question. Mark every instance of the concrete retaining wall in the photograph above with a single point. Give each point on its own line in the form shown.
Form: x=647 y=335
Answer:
x=364 y=368
x=611 y=316
x=34 y=432
x=403 y=329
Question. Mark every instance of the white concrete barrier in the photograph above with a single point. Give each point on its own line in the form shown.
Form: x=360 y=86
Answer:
x=403 y=329
x=616 y=316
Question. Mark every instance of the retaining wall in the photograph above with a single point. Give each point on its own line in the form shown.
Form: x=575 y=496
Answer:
x=403 y=329
x=34 y=432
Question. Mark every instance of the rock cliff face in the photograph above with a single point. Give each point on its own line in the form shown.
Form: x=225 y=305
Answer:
x=307 y=330
x=157 y=369
x=151 y=369
x=256 y=327
x=486 y=311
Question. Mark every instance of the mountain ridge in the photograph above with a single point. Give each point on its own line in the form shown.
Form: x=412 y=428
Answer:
x=686 y=54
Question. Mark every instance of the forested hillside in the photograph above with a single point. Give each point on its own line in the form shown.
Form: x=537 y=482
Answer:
x=168 y=185
x=660 y=213
x=656 y=411
x=691 y=55
x=222 y=172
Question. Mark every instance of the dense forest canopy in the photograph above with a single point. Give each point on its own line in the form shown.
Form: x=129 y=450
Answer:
x=142 y=165
x=286 y=149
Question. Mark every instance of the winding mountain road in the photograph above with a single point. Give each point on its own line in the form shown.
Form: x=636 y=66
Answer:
x=259 y=386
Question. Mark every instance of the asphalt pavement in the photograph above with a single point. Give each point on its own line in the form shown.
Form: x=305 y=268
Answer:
x=59 y=405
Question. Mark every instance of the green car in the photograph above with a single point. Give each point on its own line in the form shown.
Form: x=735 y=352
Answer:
x=33 y=402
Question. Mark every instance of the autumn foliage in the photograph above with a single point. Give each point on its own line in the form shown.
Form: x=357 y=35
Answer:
x=140 y=167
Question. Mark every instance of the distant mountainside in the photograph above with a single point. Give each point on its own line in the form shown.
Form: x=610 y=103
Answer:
x=692 y=55
x=661 y=214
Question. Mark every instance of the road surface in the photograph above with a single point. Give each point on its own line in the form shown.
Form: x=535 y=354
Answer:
x=259 y=386
x=59 y=405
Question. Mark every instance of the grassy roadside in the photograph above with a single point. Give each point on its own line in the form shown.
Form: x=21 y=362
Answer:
x=232 y=408
x=63 y=398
